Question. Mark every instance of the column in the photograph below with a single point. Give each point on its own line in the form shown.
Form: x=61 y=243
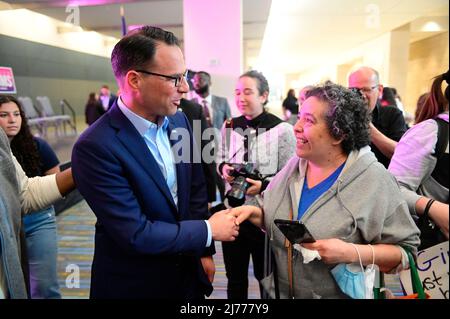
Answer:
x=213 y=42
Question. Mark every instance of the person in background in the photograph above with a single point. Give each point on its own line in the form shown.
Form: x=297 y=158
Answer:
x=37 y=159
x=20 y=195
x=93 y=109
x=215 y=109
x=290 y=107
x=419 y=105
x=420 y=165
x=106 y=98
x=398 y=100
x=197 y=120
x=388 y=124
x=388 y=97
x=329 y=187
x=267 y=143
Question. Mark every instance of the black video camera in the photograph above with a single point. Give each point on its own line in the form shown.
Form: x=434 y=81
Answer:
x=236 y=195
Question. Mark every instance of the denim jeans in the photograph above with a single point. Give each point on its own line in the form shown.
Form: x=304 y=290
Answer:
x=41 y=239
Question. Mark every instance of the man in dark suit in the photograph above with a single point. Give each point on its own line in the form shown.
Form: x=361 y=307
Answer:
x=194 y=114
x=215 y=109
x=152 y=239
x=106 y=98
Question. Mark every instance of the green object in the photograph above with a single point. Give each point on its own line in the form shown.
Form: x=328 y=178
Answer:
x=415 y=279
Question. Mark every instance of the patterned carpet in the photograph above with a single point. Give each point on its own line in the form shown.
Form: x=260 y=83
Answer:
x=76 y=248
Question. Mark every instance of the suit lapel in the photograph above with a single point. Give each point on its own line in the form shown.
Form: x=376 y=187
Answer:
x=214 y=105
x=135 y=144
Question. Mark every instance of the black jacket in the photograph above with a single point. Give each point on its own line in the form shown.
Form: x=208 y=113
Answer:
x=388 y=120
x=193 y=111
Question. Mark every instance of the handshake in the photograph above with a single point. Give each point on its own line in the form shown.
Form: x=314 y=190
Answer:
x=225 y=223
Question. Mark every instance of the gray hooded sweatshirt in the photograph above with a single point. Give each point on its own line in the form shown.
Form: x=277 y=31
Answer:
x=364 y=206
x=10 y=222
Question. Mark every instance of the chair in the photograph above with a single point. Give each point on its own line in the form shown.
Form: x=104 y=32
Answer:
x=33 y=118
x=46 y=110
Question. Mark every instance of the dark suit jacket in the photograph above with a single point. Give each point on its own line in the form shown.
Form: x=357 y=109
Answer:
x=145 y=245
x=111 y=102
x=193 y=112
x=221 y=110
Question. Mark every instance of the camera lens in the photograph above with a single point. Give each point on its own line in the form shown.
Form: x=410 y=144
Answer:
x=236 y=195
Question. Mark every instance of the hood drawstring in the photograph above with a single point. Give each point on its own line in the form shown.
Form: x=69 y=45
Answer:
x=278 y=206
x=355 y=223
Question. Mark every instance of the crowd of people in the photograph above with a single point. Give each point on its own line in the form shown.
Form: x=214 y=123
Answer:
x=342 y=161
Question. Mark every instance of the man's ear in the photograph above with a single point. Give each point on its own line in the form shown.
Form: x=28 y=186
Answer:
x=380 y=91
x=132 y=79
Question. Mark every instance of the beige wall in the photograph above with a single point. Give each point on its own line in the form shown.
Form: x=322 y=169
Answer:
x=427 y=58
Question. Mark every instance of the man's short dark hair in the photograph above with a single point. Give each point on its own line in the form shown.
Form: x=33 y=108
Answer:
x=137 y=48
x=347 y=117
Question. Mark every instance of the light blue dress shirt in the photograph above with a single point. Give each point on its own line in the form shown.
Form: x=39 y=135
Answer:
x=156 y=138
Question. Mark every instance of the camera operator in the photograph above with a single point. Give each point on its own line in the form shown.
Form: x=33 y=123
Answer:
x=254 y=147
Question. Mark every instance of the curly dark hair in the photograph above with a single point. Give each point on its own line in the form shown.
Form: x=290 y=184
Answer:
x=23 y=145
x=347 y=117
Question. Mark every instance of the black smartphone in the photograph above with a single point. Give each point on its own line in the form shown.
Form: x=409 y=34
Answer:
x=294 y=230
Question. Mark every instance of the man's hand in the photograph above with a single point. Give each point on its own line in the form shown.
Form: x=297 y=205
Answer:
x=255 y=189
x=209 y=267
x=223 y=226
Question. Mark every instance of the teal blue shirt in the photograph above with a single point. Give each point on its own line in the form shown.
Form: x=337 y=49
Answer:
x=309 y=195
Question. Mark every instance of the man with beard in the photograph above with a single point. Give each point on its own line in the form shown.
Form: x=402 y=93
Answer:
x=215 y=108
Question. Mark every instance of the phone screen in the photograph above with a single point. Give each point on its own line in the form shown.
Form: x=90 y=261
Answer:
x=294 y=230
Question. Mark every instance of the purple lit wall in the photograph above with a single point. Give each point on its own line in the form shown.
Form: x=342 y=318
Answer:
x=213 y=41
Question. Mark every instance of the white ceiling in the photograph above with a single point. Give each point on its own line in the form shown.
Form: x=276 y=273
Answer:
x=299 y=35
x=303 y=33
x=104 y=15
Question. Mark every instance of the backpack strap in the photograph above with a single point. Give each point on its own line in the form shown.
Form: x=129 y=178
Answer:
x=441 y=171
x=442 y=141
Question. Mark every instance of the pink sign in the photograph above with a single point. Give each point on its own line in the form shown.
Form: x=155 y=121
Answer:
x=7 y=84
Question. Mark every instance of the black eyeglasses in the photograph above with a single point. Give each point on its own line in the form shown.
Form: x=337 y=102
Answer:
x=177 y=79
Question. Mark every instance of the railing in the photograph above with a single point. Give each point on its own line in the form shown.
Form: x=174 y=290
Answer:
x=63 y=104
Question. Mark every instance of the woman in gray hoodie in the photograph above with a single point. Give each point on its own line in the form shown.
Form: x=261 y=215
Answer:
x=349 y=202
x=20 y=194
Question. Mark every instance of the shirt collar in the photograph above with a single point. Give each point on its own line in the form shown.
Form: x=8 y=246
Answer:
x=142 y=125
x=208 y=99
